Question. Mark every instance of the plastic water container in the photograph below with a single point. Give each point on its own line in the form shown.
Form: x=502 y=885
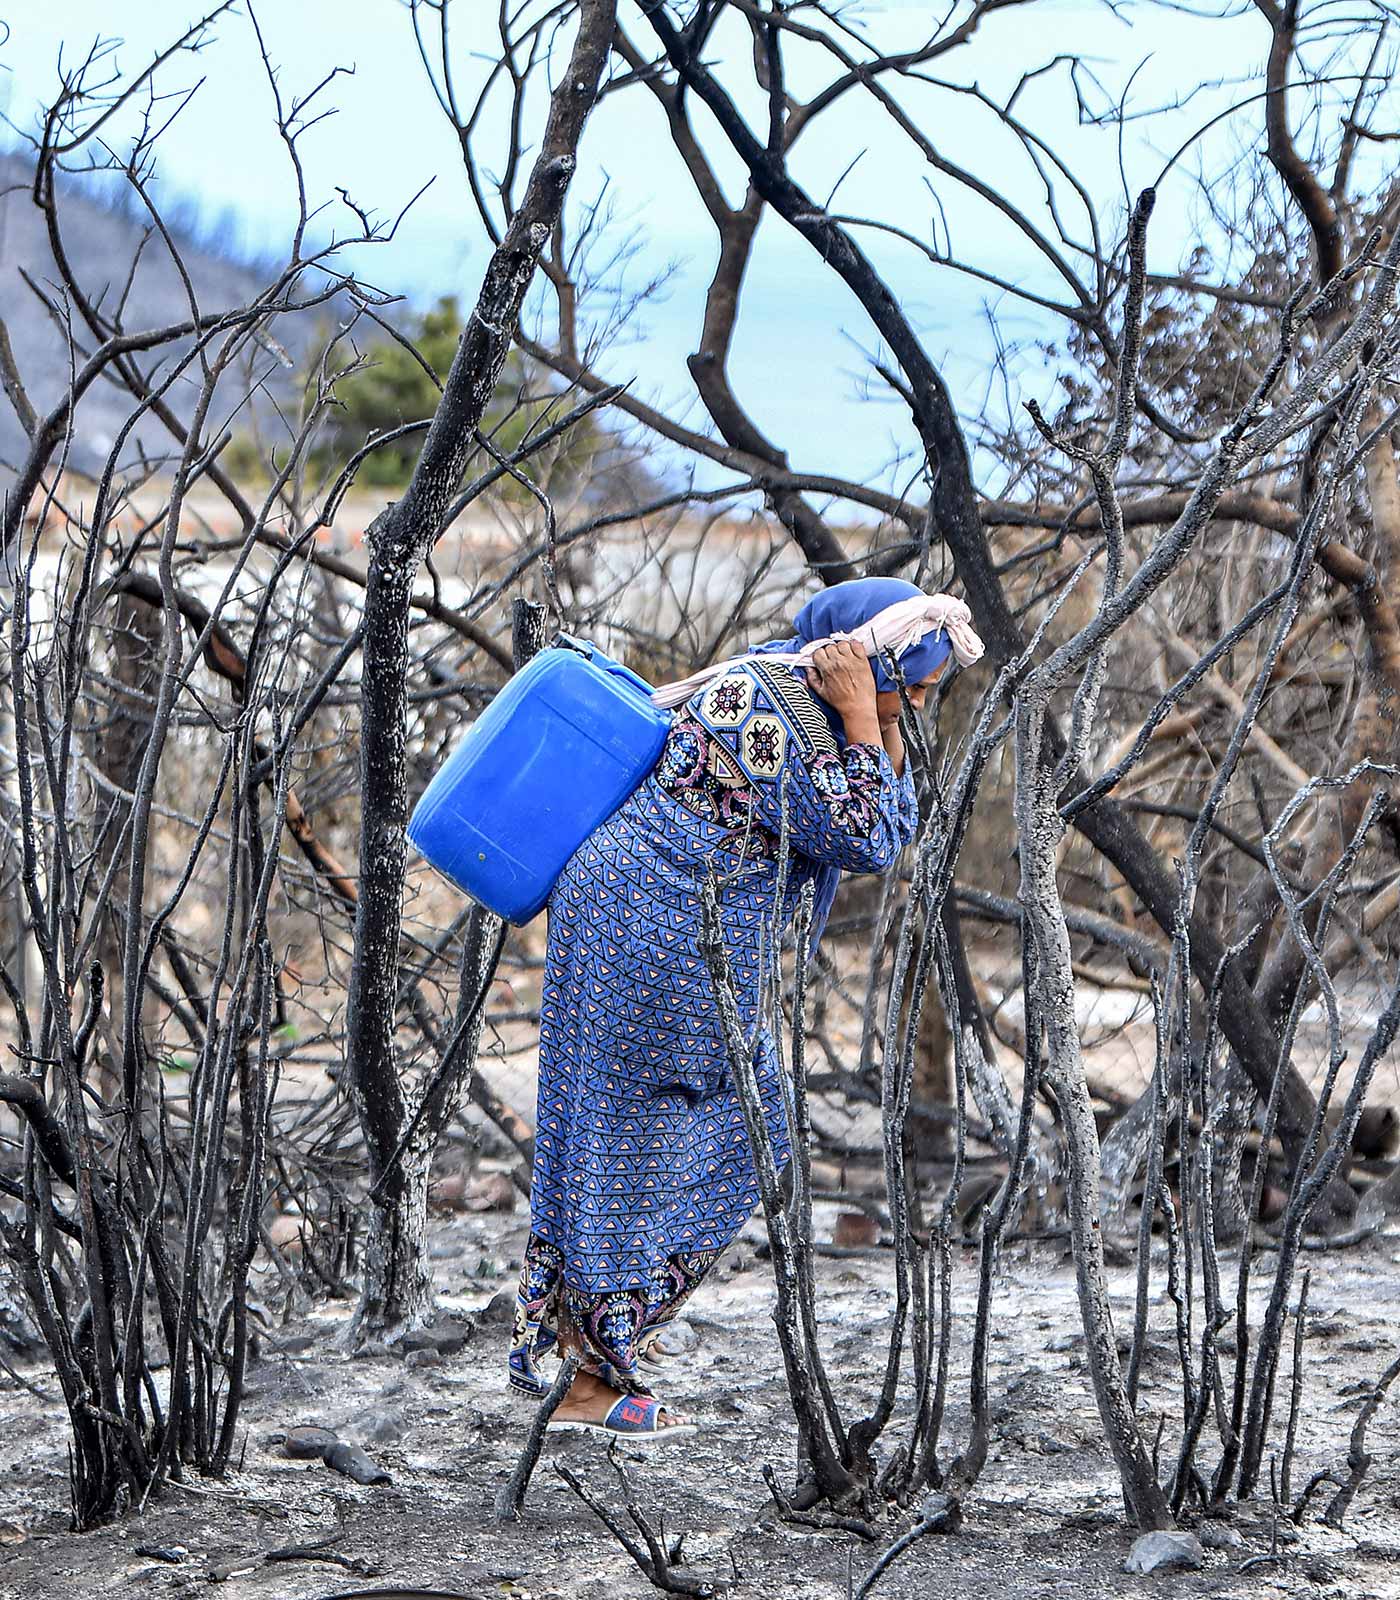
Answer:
x=555 y=753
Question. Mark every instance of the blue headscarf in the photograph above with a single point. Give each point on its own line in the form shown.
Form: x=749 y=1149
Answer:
x=842 y=608
x=845 y=606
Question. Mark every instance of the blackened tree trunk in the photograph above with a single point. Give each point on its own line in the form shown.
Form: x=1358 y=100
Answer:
x=395 y=1291
x=118 y=748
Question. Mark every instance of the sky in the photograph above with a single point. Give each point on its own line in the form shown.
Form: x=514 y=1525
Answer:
x=802 y=358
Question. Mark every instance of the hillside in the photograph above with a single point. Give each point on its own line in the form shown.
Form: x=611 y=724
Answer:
x=101 y=242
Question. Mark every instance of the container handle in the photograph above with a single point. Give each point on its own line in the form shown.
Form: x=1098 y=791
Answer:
x=603 y=661
x=617 y=670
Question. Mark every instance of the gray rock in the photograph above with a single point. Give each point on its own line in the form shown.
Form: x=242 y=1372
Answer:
x=1219 y=1536
x=500 y=1309
x=447 y=1335
x=1165 y=1552
x=380 y=1425
x=307 y=1444
x=676 y=1339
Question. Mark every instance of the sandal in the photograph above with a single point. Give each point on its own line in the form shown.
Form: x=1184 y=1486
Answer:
x=634 y=1416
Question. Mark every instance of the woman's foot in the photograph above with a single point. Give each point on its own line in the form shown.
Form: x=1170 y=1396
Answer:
x=590 y=1400
x=651 y=1348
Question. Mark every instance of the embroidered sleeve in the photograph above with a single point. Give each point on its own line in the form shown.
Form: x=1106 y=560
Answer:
x=845 y=807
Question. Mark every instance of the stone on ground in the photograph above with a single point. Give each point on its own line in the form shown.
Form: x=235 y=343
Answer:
x=1165 y=1552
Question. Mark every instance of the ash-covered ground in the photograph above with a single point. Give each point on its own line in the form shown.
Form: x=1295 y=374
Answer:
x=1045 y=1520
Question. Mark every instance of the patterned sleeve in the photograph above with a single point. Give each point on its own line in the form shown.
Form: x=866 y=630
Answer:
x=908 y=803
x=845 y=806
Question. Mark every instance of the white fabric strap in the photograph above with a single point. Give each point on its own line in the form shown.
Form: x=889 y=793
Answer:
x=889 y=632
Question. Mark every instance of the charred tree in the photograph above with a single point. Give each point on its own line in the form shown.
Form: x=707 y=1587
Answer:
x=396 y=1285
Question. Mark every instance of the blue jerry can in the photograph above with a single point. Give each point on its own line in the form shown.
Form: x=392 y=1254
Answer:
x=555 y=753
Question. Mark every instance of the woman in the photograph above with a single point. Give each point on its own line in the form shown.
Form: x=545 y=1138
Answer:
x=642 y=1172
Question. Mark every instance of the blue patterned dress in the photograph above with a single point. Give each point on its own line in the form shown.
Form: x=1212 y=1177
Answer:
x=642 y=1171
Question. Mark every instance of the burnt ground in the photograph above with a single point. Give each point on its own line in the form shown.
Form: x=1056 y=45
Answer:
x=1045 y=1520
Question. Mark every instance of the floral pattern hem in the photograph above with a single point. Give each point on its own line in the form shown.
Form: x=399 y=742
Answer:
x=604 y=1330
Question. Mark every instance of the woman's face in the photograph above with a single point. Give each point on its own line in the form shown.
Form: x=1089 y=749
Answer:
x=887 y=703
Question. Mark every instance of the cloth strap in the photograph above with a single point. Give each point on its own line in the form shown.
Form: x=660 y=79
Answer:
x=889 y=632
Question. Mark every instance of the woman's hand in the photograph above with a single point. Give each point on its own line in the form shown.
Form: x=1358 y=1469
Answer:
x=840 y=673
